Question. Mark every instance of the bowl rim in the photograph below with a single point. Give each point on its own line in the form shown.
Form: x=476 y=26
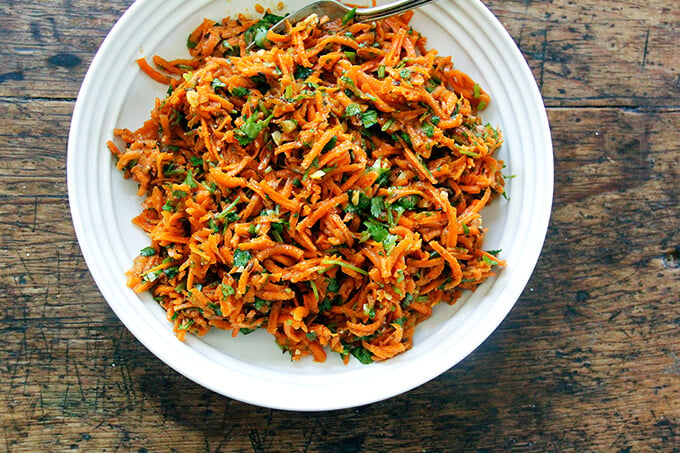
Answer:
x=169 y=354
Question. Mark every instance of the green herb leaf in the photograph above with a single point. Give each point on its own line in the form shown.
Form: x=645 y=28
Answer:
x=247 y=133
x=190 y=43
x=381 y=71
x=362 y=354
x=301 y=73
x=369 y=118
x=376 y=230
x=228 y=210
x=186 y=324
x=227 y=290
x=389 y=242
x=171 y=272
x=189 y=180
x=349 y=16
x=172 y=170
x=387 y=124
x=217 y=83
x=261 y=304
x=147 y=251
x=428 y=129
x=377 y=206
x=383 y=173
x=352 y=109
x=152 y=276
x=257 y=32
x=213 y=225
x=216 y=308
x=168 y=206
x=489 y=261
x=359 y=202
x=333 y=285
x=408 y=202
x=241 y=258
x=240 y=91
x=401 y=320
x=331 y=144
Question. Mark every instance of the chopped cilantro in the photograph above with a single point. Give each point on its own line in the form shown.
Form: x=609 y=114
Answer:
x=147 y=251
x=349 y=16
x=428 y=129
x=369 y=118
x=376 y=230
x=359 y=201
x=257 y=33
x=217 y=83
x=247 y=133
x=331 y=144
x=489 y=261
x=168 y=206
x=261 y=304
x=171 y=272
x=408 y=202
x=189 y=180
x=239 y=91
x=387 y=124
x=186 y=325
x=352 y=109
x=227 y=290
x=190 y=43
x=377 y=206
x=383 y=173
x=241 y=258
x=401 y=320
x=333 y=285
x=362 y=354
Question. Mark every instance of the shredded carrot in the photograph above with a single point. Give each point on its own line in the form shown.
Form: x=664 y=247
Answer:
x=327 y=189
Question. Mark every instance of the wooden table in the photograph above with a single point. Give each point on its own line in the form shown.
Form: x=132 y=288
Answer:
x=588 y=360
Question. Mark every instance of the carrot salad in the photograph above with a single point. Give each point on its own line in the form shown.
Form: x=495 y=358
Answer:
x=325 y=187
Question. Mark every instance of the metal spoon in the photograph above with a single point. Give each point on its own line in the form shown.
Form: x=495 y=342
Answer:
x=335 y=10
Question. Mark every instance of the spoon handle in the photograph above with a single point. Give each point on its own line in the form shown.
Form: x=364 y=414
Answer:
x=382 y=11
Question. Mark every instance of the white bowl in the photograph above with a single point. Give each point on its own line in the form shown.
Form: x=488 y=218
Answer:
x=115 y=93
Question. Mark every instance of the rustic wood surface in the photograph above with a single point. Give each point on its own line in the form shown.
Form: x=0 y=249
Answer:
x=588 y=360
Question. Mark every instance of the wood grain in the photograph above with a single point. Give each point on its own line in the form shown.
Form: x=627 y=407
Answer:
x=588 y=360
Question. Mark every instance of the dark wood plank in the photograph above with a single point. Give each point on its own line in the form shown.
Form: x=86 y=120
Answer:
x=598 y=53
x=47 y=46
x=588 y=360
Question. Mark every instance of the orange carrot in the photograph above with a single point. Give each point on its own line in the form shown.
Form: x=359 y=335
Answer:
x=328 y=189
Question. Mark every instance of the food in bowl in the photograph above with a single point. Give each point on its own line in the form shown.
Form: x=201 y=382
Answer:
x=326 y=187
